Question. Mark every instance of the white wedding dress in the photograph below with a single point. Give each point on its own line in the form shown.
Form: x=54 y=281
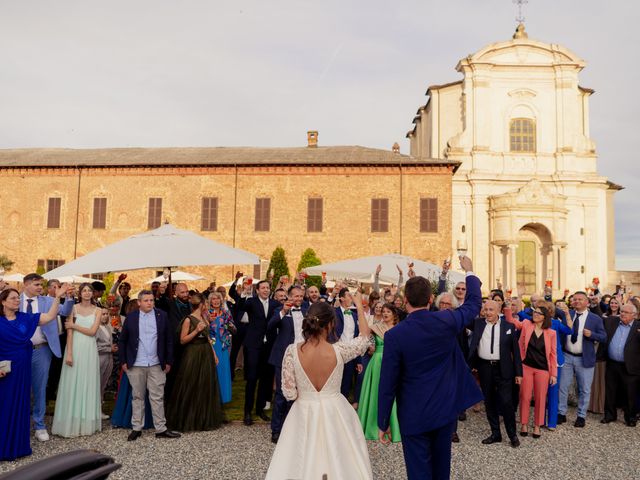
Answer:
x=322 y=434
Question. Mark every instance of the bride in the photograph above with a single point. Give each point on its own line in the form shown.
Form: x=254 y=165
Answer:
x=322 y=434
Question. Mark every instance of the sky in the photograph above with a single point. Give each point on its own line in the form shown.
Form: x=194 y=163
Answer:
x=125 y=73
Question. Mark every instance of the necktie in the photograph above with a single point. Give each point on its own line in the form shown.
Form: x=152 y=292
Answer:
x=574 y=331
x=29 y=306
x=493 y=336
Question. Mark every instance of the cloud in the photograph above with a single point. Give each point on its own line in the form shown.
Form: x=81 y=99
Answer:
x=163 y=73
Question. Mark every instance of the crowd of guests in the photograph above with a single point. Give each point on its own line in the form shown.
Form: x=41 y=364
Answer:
x=171 y=353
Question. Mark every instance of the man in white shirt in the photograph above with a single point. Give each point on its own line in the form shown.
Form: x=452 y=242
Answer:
x=347 y=329
x=580 y=357
x=287 y=321
x=46 y=344
x=495 y=355
x=257 y=347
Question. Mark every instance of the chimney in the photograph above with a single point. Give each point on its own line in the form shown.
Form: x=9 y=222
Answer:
x=312 y=138
x=395 y=148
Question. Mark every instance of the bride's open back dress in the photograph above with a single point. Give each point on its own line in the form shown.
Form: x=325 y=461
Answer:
x=322 y=434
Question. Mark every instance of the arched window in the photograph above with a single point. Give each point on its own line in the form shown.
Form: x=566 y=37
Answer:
x=522 y=132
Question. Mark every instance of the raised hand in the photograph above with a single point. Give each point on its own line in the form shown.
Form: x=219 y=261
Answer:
x=357 y=298
x=122 y=277
x=465 y=263
x=378 y=269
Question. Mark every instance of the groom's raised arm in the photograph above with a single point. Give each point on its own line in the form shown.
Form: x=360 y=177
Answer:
x=389 y=376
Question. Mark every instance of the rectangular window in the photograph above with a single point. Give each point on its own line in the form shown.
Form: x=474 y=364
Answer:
x=429 y=215
x=155 y=213
x=99 y=213
x=209 y=214
x=263 y=214
x=314 y=215
x=51 y=264
x=53 y=215
x=522 y=133
x=379 y=214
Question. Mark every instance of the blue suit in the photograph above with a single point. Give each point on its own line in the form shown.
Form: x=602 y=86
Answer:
x=286 y=336
x=41 y=357
x=582 y=366
x=349 y=367
x=424 y=370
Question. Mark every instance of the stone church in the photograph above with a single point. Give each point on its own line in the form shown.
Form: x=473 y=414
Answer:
x=527 y=198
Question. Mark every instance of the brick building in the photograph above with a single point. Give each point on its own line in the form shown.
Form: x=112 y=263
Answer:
x=345 y=202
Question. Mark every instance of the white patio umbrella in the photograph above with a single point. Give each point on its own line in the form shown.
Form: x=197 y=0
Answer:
x=13 y=277
x=166 y=246
x=74 y=279
x=177 y=276
x=363 y=269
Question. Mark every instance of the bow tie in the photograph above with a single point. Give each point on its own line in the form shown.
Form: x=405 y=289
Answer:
x=348 y=312
x=296 y=309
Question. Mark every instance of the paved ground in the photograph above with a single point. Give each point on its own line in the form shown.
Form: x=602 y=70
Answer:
x=238 y=452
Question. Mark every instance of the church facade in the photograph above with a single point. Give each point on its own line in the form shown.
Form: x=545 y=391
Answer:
x=528 y=200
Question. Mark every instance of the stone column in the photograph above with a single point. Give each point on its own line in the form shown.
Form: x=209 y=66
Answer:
x=555 y=264
x=504 y=257
x=513 y=282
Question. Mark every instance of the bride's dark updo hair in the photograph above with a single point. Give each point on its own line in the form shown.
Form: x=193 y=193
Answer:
x=319 y=317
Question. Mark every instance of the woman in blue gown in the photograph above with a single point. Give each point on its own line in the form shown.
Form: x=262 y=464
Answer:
x=16 y=330
x=121 y=416
x=221 y=327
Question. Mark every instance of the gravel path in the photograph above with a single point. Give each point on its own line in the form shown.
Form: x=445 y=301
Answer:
x=239 y=452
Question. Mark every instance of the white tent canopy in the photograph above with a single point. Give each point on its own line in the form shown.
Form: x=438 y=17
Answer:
x=177 y=276
x=166 y=246
x=13 y=277
x=363 y=269
x=74 y=279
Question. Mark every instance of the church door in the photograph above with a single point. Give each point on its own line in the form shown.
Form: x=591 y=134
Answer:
x=526 y=267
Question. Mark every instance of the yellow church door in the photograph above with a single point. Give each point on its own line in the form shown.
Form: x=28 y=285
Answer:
x=526 y=254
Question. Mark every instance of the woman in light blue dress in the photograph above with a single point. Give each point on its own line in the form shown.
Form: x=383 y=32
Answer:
x=78 y=406
x=220 y=329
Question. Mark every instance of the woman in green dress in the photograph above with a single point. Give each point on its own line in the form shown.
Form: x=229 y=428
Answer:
x=195 y=400
x=368 y=406
x=79 y=404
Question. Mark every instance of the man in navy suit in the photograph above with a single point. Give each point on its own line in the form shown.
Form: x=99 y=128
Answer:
x=347 y=329
x=424 y=370
x=580 y=357
x=495 y=354
x=146 y=356
x=46 y=343
x=257 y=347
x=288 y=323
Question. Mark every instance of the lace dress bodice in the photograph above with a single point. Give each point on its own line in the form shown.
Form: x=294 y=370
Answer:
x=295 y=381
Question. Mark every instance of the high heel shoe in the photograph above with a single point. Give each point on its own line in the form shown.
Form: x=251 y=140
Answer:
x=535 y=435
x=523 y=433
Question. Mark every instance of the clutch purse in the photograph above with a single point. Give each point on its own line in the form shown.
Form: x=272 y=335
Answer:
x=5 y=366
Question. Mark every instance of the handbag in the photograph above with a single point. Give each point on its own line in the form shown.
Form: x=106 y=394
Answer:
x=5 y=366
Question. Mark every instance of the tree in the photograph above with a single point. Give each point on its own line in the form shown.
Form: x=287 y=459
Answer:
x=109 y=280
x=310 y=259
x=278 y=264
x=5 y=263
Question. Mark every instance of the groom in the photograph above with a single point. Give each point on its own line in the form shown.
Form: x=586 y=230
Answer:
x=424 y=370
